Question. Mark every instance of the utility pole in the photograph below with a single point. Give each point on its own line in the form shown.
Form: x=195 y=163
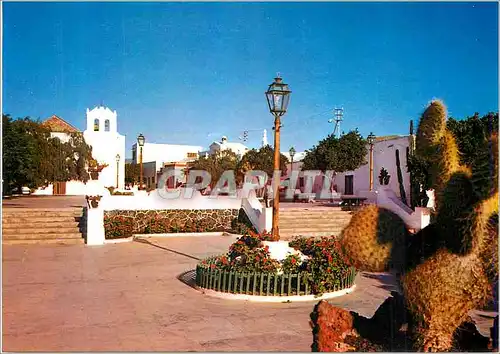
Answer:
x=338 y=114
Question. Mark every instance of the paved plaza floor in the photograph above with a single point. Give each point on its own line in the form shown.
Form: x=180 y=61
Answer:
x=44 y=201
x=127 y=297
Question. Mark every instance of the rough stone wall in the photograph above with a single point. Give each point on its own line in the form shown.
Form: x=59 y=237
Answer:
x=218 y=219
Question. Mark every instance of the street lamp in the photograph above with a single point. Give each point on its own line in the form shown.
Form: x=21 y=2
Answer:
x=292 y=154
x=140 y=140
x=371 y=140
x=278 y=97
x=117 y=165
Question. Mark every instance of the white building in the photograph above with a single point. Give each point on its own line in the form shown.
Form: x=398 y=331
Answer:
x=384 y=156
x=157 y=157
x=102 y=135
x=238 y=148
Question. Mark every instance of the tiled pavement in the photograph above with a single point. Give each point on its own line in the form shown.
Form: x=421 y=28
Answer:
x=42 y=201
x=126 y=297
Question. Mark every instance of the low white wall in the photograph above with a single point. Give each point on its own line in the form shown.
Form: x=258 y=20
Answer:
x=416 y=220
x=49 y=190
x=252 y=211
x=76 y=188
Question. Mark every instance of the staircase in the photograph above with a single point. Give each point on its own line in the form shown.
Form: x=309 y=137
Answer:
x=314 y=221
x=62 y=226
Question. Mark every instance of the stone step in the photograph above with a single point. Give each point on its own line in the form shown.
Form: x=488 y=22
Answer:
x=38 y=225
x=42 y=212
x=41 y=230
x=313 y=210
x=316 y=214
x=37 y=219
x=311 y=229
x=318 y=218
x=314 y=223
x=68 y=241
x=288 y=236
x=47 y=236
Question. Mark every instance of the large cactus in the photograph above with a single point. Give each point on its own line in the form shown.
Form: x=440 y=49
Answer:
x=448 y=268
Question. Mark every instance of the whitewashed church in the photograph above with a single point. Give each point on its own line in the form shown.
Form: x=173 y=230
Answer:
x=108 y=147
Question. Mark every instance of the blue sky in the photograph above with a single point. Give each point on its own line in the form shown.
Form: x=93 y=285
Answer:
x=187 y=73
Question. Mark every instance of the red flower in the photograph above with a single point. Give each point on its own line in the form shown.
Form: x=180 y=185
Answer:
x=212 y=266
x=294 y=261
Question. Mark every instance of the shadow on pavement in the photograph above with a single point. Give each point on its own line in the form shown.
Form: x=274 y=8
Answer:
x=386 y=281
x=144 y=241
x=188 y=278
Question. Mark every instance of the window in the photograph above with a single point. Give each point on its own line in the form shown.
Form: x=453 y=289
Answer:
x=96 y=125
x=301 y=182
x=106 y=125
x=192 y=155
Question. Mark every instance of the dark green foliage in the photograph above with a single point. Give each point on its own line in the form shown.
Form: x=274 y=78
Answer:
x=402 y=191
x=328 y=264
x=471 y=133
x=32 y=158
x=132 y=173
x=261 y=160
x=118 y=226
x=242 y=224
x=216 y=164
x=418 y=167
x=344 y=154
x=384 y=177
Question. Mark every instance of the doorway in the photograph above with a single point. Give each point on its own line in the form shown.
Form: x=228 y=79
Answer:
x=349 y=185
x=59 y=188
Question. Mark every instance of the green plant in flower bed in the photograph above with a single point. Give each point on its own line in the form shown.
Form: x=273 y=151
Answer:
x=327 y=264
x=247 y=254
x=326 y=270
x=118 y=226
x=293 y=264
x=163 y=225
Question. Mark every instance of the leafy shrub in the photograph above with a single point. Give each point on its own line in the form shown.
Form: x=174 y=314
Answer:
x=163 y=225
x=292 y=264
x=118 y=226
x=327 y=265
x=111 y=189
x=122 y=193
x=323 y=271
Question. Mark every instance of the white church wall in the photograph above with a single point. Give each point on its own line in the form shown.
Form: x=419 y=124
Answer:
x=384 y=155
x=106 y=144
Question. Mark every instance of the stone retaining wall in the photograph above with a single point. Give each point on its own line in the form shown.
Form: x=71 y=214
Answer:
x=216 y=219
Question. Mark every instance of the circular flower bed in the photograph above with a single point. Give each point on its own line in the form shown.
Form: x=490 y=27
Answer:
x=313 y=267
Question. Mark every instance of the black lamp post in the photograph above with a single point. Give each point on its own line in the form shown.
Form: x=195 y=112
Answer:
x=141 y=140
x=371 y=141
x=292 y=154
x=117 y=168
x=278 y=97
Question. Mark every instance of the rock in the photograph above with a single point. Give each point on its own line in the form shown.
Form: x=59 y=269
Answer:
x=331 y=325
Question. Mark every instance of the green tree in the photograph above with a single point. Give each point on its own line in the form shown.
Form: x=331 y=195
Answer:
x=261 y=160
x=216 y=164
x=132 y=173
x=470 y=134
x=346 y=153
x=32 y=158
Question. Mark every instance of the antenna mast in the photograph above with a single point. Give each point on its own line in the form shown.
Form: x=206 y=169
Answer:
x=338 y=114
